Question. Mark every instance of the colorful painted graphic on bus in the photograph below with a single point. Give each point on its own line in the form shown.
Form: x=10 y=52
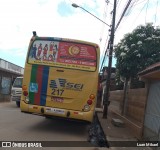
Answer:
x=63 y=54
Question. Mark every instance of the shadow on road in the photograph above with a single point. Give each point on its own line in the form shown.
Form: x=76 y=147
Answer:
x=56 y=125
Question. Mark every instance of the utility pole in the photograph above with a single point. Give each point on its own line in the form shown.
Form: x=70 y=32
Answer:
x=111 y=41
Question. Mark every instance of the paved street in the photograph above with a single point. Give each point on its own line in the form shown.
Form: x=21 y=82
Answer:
x=17 y=126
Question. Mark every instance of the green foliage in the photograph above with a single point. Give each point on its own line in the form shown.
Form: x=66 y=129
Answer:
x=137 y=50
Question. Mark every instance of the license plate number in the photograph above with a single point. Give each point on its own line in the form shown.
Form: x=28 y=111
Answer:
x=57 y=99
x=55 y=111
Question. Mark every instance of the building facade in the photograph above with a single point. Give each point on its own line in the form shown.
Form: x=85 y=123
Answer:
x=8 y=73
x=151 y=76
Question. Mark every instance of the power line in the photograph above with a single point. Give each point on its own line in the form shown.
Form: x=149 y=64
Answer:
x=104 y=56
x=104 y=18
x=123 y=13
x=146 y=10
x=104 y=50
x=132 y=5
x=118 y=4
x=139 y=13
x=155 y=19
x=139 y=2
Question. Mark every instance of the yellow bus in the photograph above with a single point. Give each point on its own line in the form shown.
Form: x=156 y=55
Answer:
x=60 y=78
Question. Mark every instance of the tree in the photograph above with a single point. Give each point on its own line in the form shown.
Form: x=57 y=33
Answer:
x=137 y=50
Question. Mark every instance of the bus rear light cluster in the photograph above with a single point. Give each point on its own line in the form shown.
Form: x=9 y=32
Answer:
x=90 y=100
x=25 y=92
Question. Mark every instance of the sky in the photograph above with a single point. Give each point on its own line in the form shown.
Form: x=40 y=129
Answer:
x=57 y=18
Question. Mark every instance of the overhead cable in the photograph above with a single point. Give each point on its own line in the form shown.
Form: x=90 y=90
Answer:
x=146 y=11
x=155 y=19
x=124 y=11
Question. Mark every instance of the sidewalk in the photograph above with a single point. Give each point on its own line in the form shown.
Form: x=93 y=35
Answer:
x=117 y=135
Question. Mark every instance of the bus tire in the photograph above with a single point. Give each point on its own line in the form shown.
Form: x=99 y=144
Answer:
x=48 y=117
x=18 y=104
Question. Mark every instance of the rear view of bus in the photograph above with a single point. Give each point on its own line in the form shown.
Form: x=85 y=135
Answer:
x=60 y=78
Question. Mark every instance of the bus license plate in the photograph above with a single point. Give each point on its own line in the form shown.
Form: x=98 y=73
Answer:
x=55 y=111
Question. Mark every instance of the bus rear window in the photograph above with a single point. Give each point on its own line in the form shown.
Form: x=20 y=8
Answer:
x=63 y=54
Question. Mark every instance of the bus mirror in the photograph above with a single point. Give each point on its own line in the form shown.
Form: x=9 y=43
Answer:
x=34 y=33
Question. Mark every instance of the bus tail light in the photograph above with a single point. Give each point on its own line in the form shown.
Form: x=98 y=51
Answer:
x=89 y=102
x=24 y=87
x=92 y=96
x=25 y=93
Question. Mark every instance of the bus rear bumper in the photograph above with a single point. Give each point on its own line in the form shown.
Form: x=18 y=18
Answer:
x=57 y=112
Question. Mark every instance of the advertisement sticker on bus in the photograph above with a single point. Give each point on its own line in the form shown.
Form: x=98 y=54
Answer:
x=63 y=54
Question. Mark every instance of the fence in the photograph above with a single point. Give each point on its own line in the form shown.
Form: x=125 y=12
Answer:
x=134 y=107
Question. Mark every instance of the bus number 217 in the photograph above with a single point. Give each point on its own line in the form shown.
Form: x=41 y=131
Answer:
x=58 y=92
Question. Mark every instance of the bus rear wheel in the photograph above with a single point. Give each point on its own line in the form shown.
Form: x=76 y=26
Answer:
x=18 y=104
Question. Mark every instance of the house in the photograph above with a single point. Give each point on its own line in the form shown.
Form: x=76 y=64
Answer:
x=8 y=72
x=151 y=76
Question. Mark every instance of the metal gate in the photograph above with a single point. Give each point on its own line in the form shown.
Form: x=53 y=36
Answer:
x=152 y=114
